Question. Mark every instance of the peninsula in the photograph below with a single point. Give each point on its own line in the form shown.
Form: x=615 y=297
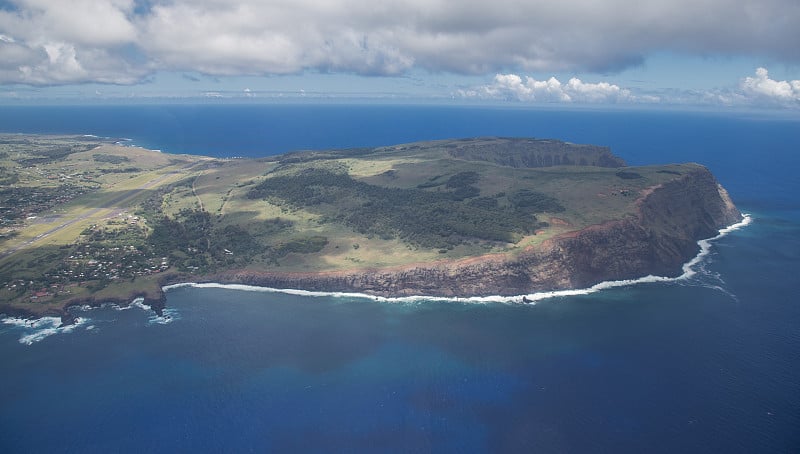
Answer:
x=86 y=220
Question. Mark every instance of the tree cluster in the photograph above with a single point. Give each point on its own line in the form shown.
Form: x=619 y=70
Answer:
x=426 y=218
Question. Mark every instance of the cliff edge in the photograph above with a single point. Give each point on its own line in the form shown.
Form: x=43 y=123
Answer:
x=657 y=239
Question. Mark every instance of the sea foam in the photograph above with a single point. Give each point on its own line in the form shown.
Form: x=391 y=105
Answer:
x=688 y=271
x=35 y=330
x=167 y=316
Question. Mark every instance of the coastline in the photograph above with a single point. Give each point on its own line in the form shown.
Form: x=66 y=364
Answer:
x=155 y=300
x=655 y=241
x=531 y=298
x=47 y=325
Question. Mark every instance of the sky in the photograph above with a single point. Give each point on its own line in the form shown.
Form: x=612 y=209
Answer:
x=711 y=53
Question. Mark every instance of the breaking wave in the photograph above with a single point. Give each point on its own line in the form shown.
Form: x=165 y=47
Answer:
x=168 y=315
x=35 y=330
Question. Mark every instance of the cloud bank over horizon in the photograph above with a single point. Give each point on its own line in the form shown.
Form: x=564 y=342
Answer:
x=758 y=91
x=511 y=87
x=53 y=42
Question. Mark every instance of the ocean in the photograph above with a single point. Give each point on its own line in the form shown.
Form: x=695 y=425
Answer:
x=706 y=363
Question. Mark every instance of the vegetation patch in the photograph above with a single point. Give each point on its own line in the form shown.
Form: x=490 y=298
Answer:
x=53 y=153
x=18 y=202
x=275 y=226
x=110 y=158
x=431 y=219
x=462 y=185
x=535 y=201
x=628 y=175
x=305 y=245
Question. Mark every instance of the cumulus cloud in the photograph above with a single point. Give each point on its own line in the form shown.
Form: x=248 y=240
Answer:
x=78 y=22
x=390 y=37
x=762 y=88
x=758 y=90
x=752 y=91
x=513 y=87
x=46 y=42
x=227 y=38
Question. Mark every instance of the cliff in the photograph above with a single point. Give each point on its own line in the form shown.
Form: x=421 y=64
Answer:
x=663 y=235
x=657 y=239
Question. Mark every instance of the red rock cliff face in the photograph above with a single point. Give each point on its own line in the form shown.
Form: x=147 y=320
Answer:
x=657 y=240
x=671 y=219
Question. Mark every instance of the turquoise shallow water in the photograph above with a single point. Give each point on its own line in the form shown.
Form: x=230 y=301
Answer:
x=704 y=365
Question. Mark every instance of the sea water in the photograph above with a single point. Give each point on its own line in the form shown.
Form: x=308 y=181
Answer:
x=706 y=363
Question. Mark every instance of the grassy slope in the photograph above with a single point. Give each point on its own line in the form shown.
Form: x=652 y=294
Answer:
x=589 y=195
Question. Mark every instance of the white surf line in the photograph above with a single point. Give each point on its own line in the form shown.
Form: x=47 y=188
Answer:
x=37 y=329
x=40 y=328
x=687 y=268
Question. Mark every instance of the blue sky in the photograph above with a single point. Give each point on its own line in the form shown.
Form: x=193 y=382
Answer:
x=718 y=53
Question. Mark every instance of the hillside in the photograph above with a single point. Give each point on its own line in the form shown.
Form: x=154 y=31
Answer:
x=89 y=220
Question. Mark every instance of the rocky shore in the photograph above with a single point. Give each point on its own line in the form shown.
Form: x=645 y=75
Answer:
x=155 y=299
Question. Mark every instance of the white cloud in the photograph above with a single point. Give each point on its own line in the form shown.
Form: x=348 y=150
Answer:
x=388 y=37
x=762 y=88
x=58 y=42
x=266 y=38
x=58 y=62
x=753 y=91
x=78 y=22
x=513 y=87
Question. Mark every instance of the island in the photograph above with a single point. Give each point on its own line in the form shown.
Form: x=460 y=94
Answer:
x=89 y=220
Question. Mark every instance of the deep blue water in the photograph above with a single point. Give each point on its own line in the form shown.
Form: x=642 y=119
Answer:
x=707 y=365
